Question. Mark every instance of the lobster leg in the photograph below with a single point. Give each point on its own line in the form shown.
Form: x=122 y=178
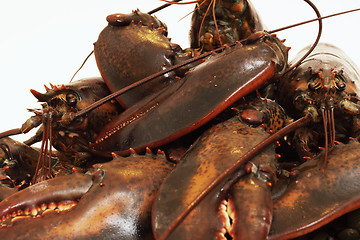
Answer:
x=18 y=160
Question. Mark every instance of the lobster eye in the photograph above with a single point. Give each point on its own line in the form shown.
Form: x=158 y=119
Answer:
x=71 y=99
x=340 y=81
x=314 y=81
x=78 y=120
x=340 y=85
x=314 y=85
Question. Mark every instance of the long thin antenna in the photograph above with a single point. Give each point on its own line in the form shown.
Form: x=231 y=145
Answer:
x=316 y=40
x=162 y=7
x=82 y=65
x=313 y=20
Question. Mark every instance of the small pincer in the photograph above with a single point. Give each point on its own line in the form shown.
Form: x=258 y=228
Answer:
x=263 y=173
x=31 y=123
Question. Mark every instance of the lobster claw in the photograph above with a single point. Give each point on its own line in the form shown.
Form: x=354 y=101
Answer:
x=136 y=57
x=208 y=83
x=318 y=196
x=201 y=164
x=112 y=203
x=244 y=196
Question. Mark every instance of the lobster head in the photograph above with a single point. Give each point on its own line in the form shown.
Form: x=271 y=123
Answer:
x=219 y=22
x=326 y=87
x=60 y=101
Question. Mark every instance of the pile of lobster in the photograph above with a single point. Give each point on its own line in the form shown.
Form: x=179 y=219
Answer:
x=266 y=150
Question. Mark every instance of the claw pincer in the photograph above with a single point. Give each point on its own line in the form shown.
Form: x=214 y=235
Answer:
x=134 y=46
x=113 y=203
x=317 y=197
x=209 y=156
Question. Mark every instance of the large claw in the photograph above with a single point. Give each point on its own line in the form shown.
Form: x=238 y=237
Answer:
x=122 y=38
x=116 y=206
x=252 y=206
x=18 y=161
x=212 y=154
x=319 y=195
x=158 y=121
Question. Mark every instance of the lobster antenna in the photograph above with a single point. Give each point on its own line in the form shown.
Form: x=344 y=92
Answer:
x=318 y=37
x=316 y=40
x=313 y=20
x=82 y=65
x=162 y=7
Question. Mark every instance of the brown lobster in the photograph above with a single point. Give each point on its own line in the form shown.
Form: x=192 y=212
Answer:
x=220 y=56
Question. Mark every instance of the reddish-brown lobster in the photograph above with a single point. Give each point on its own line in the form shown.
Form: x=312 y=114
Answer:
x=141 y=113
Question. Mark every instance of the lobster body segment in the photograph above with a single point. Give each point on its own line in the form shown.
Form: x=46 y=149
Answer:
x=202 y=94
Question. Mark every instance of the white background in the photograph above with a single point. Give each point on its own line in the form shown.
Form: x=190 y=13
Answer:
x=46 y=41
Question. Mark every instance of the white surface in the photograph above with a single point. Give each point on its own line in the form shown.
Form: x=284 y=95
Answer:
x=46 y=41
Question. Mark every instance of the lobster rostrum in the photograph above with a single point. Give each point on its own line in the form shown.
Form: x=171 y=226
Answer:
x=144 y=108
